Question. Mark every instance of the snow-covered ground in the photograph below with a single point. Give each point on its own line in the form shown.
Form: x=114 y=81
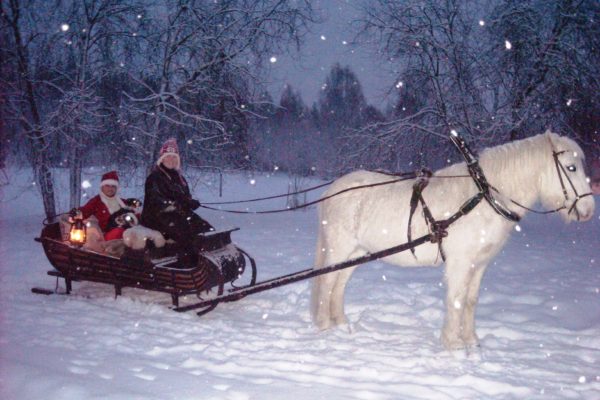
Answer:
x=538 y=320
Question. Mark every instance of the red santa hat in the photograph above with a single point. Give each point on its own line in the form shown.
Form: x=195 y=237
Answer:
x=110 y=178
x=169 y=148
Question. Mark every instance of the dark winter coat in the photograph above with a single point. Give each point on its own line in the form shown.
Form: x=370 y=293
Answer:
x=168 y=206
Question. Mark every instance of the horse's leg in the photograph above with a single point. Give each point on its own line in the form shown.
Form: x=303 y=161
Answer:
x=321 y=300
x=327 y=296
x=337 y=295
x=468 y=328
x=458 y=275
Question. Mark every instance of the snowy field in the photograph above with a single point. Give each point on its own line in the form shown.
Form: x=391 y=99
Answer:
x=538 y=320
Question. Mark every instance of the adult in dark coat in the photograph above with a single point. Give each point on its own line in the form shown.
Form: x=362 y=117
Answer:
x=169 y=206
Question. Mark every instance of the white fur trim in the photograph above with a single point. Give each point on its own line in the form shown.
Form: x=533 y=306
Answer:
x=135 y=237
x=169 y=154
x=113 y=204
x=109 y=182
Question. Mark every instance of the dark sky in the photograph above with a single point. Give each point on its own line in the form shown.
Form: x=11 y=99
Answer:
x=328 y=43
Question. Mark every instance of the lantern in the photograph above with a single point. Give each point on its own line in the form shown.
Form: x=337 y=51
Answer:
x=77 y=234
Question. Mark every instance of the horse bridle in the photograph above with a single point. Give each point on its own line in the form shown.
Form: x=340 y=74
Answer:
x=560 y=170
x=484 y=187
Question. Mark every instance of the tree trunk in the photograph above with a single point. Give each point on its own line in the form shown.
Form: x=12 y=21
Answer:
x=75 y=166
x=39 y=160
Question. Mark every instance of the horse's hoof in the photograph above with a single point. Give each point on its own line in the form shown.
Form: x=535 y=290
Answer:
x=474 y=353
x=453 y=344
x=471 y=342
x=323 y=324
x=340 y=320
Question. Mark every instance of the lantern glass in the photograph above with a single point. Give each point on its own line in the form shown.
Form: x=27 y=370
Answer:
x=78 y=232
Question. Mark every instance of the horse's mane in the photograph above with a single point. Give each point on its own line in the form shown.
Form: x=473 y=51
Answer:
x=515 y=156
x=509 y=164
x=515 y=168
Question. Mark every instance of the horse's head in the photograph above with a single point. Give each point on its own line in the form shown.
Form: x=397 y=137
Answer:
x=564 y=183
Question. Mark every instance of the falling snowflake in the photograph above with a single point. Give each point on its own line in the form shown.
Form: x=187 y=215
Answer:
x=273 y=60
x=508 y=45
x=399 y=84
x=252 y=181
x=86 y=184
x=64 y=27
x=323 y=37
x=481 y=22
x=518 y=228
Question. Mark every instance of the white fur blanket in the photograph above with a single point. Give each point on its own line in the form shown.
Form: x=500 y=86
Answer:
x=135 y=237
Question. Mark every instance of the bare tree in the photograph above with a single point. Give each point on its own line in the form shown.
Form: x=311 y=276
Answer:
x=437 y=56
x=551 y=46
x=22 y=101
x=93 y=26
x=198 y=72
x=494 y=71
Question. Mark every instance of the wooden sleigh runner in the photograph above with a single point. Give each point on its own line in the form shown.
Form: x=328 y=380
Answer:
x=220 y=262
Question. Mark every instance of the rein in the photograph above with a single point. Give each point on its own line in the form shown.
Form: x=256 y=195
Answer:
x=403 y=176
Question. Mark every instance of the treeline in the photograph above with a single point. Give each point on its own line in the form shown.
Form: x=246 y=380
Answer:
x=291 y=136
x=106 y=81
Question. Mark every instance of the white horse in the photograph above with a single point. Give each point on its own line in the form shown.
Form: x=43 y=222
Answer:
x=367 y=220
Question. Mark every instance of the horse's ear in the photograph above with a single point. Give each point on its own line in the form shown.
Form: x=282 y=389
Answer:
x=549 y=135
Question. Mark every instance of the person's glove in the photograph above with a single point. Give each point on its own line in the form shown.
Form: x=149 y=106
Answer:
x=193 y=204
x=75 y=213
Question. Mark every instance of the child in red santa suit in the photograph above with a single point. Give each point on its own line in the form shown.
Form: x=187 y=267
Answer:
x=107 y=204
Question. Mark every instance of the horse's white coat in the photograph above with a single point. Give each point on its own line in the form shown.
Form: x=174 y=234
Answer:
x=368 y=220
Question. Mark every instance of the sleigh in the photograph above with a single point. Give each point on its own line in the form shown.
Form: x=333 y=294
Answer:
x=220 y=263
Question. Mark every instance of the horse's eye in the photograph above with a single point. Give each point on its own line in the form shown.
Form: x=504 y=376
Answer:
x=572 y=168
